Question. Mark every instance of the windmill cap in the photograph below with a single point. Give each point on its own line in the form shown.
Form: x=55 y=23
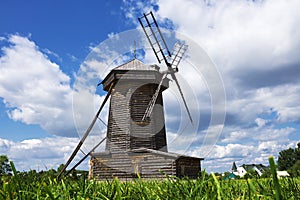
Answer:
x=136 y=64
x=133 y=70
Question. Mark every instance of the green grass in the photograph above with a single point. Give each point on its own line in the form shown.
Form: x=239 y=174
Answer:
x=29 y=186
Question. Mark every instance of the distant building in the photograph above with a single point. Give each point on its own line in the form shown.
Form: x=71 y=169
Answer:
x=259 y=168
x=230 y=176
x=242 y=170
x=281 y=174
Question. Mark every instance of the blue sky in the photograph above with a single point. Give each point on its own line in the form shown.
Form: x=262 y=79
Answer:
x=66 y=29
x=252 y=46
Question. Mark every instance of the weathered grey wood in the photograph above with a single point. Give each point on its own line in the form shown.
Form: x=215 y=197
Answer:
x=135 y=147
x=148 y=164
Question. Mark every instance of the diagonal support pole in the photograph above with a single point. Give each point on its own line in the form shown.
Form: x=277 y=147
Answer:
x=85 y=134
x=93 y=149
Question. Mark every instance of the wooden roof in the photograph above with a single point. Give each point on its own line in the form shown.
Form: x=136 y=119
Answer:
x=132 y=70
x=135 y=64
x=146 y=150
x=162 y=153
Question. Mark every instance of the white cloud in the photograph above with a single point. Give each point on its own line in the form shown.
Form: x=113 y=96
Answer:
x=254 y=45
x=40 y=154
x=239 y=32
x=51 y=53
x=282 y=100
x=235 y=136
x=260 y=122
x=5 y=145
x=34 y=89
x=72 y=57
x=222 y=157
x=232 y=150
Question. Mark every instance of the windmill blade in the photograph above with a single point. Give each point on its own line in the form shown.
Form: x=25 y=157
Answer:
x=155 y=37
x=86 y=133
x=89 y=153
x=177 y=55
x=153 y=99
x=161 y=52
x=180 y=91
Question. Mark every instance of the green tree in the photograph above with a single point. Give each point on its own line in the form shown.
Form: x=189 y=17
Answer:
x=266 y=173
x=297 y=151
x=286 y=159
x=4 y=165
x=60 y=167
x=251 y=174
x=295 y=169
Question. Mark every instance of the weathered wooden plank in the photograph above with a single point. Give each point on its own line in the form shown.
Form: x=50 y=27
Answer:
x=127 y=132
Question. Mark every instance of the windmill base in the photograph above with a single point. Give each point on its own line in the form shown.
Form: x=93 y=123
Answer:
x=144 y=163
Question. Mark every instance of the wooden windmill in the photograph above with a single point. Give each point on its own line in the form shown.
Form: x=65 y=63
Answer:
x=136 y=143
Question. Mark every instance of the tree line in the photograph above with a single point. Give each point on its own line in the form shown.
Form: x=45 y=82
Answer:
x=6 y=171
x=289 y=160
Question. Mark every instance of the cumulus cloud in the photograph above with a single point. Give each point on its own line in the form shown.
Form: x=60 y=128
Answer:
x=240 y=33
x=34 y=89
x=39 y=154
x=254 y=45
x=225 y=155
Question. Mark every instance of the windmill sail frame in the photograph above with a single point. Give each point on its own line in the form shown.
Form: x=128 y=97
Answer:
x=161 y=51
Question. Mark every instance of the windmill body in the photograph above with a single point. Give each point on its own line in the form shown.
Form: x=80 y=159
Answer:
x=137 y=147
x=134 y=85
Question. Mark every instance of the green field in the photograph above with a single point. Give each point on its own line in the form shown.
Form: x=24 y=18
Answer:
x=33 y=185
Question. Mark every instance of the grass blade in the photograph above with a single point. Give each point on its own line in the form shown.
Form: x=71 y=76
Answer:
x=274 y=177
x=218 y=186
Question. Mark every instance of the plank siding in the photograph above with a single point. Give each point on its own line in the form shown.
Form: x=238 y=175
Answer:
x=128 y=103
x=146 y=164
x=188 y=166
x=135 y=147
